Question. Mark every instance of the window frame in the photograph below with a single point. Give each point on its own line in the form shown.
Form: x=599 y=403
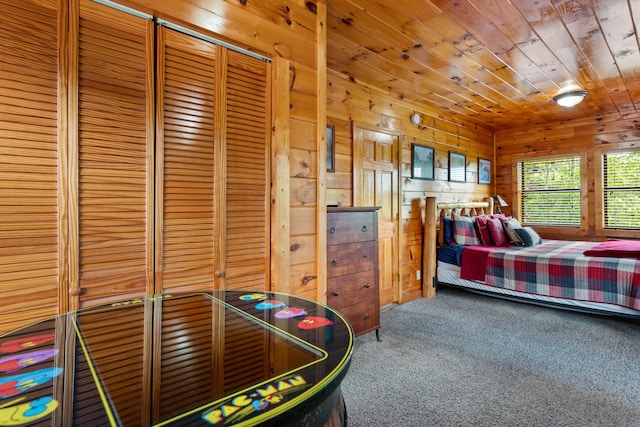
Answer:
x=600 y=229
x=563 y=231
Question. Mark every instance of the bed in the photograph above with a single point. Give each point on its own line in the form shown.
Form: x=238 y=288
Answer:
x=548 y=272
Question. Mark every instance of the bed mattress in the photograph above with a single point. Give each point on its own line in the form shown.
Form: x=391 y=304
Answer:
x=450 y=274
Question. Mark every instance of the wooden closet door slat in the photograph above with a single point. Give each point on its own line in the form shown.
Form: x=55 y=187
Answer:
x=29 y=253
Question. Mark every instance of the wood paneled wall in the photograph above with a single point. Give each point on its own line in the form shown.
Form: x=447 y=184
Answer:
x=349 y=101
x=588 y=137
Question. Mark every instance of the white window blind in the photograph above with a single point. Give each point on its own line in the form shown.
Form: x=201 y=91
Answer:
x=621 y=174
x=550 y=191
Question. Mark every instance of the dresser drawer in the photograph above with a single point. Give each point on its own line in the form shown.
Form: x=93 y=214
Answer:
x=363 y=318
x=351 y=227
x=358 y=288
x=351 y=258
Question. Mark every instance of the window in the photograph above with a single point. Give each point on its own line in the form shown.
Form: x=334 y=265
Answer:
x=550 y=191
x=621 y=193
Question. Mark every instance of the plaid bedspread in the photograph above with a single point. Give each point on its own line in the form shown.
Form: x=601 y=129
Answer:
x=558 y=268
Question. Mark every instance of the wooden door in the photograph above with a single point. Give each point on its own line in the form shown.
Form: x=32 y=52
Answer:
x=375 y=169
x=112 y=253
x=245 y=181
x=185 y=162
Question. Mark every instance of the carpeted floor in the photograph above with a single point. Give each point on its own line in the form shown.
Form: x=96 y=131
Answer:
x=464 y=359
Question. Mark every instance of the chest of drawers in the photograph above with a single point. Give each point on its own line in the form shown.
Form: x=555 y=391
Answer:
x=352 y=266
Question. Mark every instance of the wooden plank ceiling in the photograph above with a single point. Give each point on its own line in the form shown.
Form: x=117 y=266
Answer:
x=498 y=63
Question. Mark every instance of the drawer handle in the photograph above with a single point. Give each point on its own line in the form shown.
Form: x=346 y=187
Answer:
x=366 y=316
x=364 y=229
x=334 y=263
x=336 y=293
x=367 y=286
x=332 y=230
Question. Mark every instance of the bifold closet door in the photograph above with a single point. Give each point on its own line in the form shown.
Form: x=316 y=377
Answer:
x=114 y=146
x=212 y=164
x=30 y=162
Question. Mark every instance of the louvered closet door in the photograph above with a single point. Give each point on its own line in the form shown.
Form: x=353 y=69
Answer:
x=247 y=173
x=205 y=114
x=29 y=161
x=186 y=106
x=115 y=140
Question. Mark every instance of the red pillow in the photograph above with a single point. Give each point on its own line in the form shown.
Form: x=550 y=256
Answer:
x=483 y=230
x=496 y=230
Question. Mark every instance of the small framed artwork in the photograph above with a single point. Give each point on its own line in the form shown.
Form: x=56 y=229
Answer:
x=331 y=148
x=422 y=162
x=457 y=167
x=484 y=171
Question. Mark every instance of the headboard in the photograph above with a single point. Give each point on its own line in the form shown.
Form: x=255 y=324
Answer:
x=433 y=214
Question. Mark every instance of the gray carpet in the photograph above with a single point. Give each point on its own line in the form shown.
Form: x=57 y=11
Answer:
x=464 y=359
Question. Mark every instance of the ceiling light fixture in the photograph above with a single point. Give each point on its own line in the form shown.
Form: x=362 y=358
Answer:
x=570 y=99
x=415 y=118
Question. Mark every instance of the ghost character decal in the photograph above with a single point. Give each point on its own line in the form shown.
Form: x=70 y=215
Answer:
x=314 y=322
x=289 y=312
x=270 y=303
x=19 y=361
x=16 y=384
x=20 y=344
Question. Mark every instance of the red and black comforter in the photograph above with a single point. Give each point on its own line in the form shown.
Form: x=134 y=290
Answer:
x=556 y=268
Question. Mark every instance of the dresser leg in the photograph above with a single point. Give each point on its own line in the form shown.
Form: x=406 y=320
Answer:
x=378 y=335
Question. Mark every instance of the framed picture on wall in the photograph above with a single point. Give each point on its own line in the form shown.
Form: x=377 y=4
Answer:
x=331 y=148
x=484 y=171
x=457 y=167
x=422 y=162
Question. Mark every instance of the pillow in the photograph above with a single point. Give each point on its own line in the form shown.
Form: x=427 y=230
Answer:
x=464 y=230
x=510 y=225
x=528 y=236
x=496 y=230
x=447 y=231
x=483 y=230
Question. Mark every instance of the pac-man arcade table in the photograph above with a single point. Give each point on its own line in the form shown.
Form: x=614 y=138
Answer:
x=193 y=359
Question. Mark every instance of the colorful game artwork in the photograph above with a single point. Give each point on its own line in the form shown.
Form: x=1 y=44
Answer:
x=252 y=297
x=13 y=346
x=269 y=304
x=314 y=322
x=289 y=312
x=18 y=361
x=28 y=412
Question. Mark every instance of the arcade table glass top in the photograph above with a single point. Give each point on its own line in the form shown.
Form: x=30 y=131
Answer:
x=202 y=358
